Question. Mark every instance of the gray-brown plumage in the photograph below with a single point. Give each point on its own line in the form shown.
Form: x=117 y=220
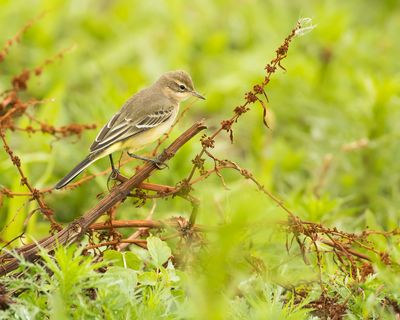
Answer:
x=142 y=119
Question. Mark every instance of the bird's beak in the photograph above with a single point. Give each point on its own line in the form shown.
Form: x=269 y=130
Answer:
x=198 y=95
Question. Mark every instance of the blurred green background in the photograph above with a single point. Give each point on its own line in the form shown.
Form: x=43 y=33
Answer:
x=341 y=86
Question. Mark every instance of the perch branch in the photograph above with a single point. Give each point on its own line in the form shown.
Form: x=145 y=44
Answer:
x=77 y=228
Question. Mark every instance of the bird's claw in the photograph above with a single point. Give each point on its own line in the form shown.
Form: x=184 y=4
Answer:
x=114 y=174
x=156 y=161
x=160 y=164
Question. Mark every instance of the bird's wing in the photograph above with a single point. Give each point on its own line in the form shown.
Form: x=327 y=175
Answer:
x=123 y=126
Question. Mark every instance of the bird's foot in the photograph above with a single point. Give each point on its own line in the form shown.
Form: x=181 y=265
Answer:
x=159 y=164
x=112 y=177
x=156 y=161
x=114 y=174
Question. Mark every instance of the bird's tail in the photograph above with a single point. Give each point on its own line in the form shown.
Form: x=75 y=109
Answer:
x=75 y=171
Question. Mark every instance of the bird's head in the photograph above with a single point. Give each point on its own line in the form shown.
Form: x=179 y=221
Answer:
x=178 y=85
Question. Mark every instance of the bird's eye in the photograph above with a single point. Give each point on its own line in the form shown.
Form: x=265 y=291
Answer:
x=182 y=87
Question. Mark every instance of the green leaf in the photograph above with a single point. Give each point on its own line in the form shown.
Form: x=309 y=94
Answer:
x=132 y=260
x=112 y=256
x=125 y=279
x=159 y=251
x=172 y=272
x=148 y=278
x=123 y=259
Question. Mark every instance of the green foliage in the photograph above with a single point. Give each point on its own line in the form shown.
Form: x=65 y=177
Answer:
x=158 y=250
x=71 y=286
x=331 y=155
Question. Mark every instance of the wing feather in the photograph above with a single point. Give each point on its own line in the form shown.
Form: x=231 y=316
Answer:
x=103 y=132
x=120 y=128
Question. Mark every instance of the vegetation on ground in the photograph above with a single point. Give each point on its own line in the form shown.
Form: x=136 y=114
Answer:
x=286 y=206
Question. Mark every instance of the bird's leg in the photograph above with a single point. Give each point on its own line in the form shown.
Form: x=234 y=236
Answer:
x=115 y=171
x=159 y=164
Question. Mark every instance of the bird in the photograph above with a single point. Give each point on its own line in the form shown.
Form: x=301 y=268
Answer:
x=143 y=118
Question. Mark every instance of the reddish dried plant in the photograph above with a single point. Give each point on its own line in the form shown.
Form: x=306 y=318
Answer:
x=350 y=250
x=13 y=108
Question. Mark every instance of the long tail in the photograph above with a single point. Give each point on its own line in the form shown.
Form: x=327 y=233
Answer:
x=75 y=171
